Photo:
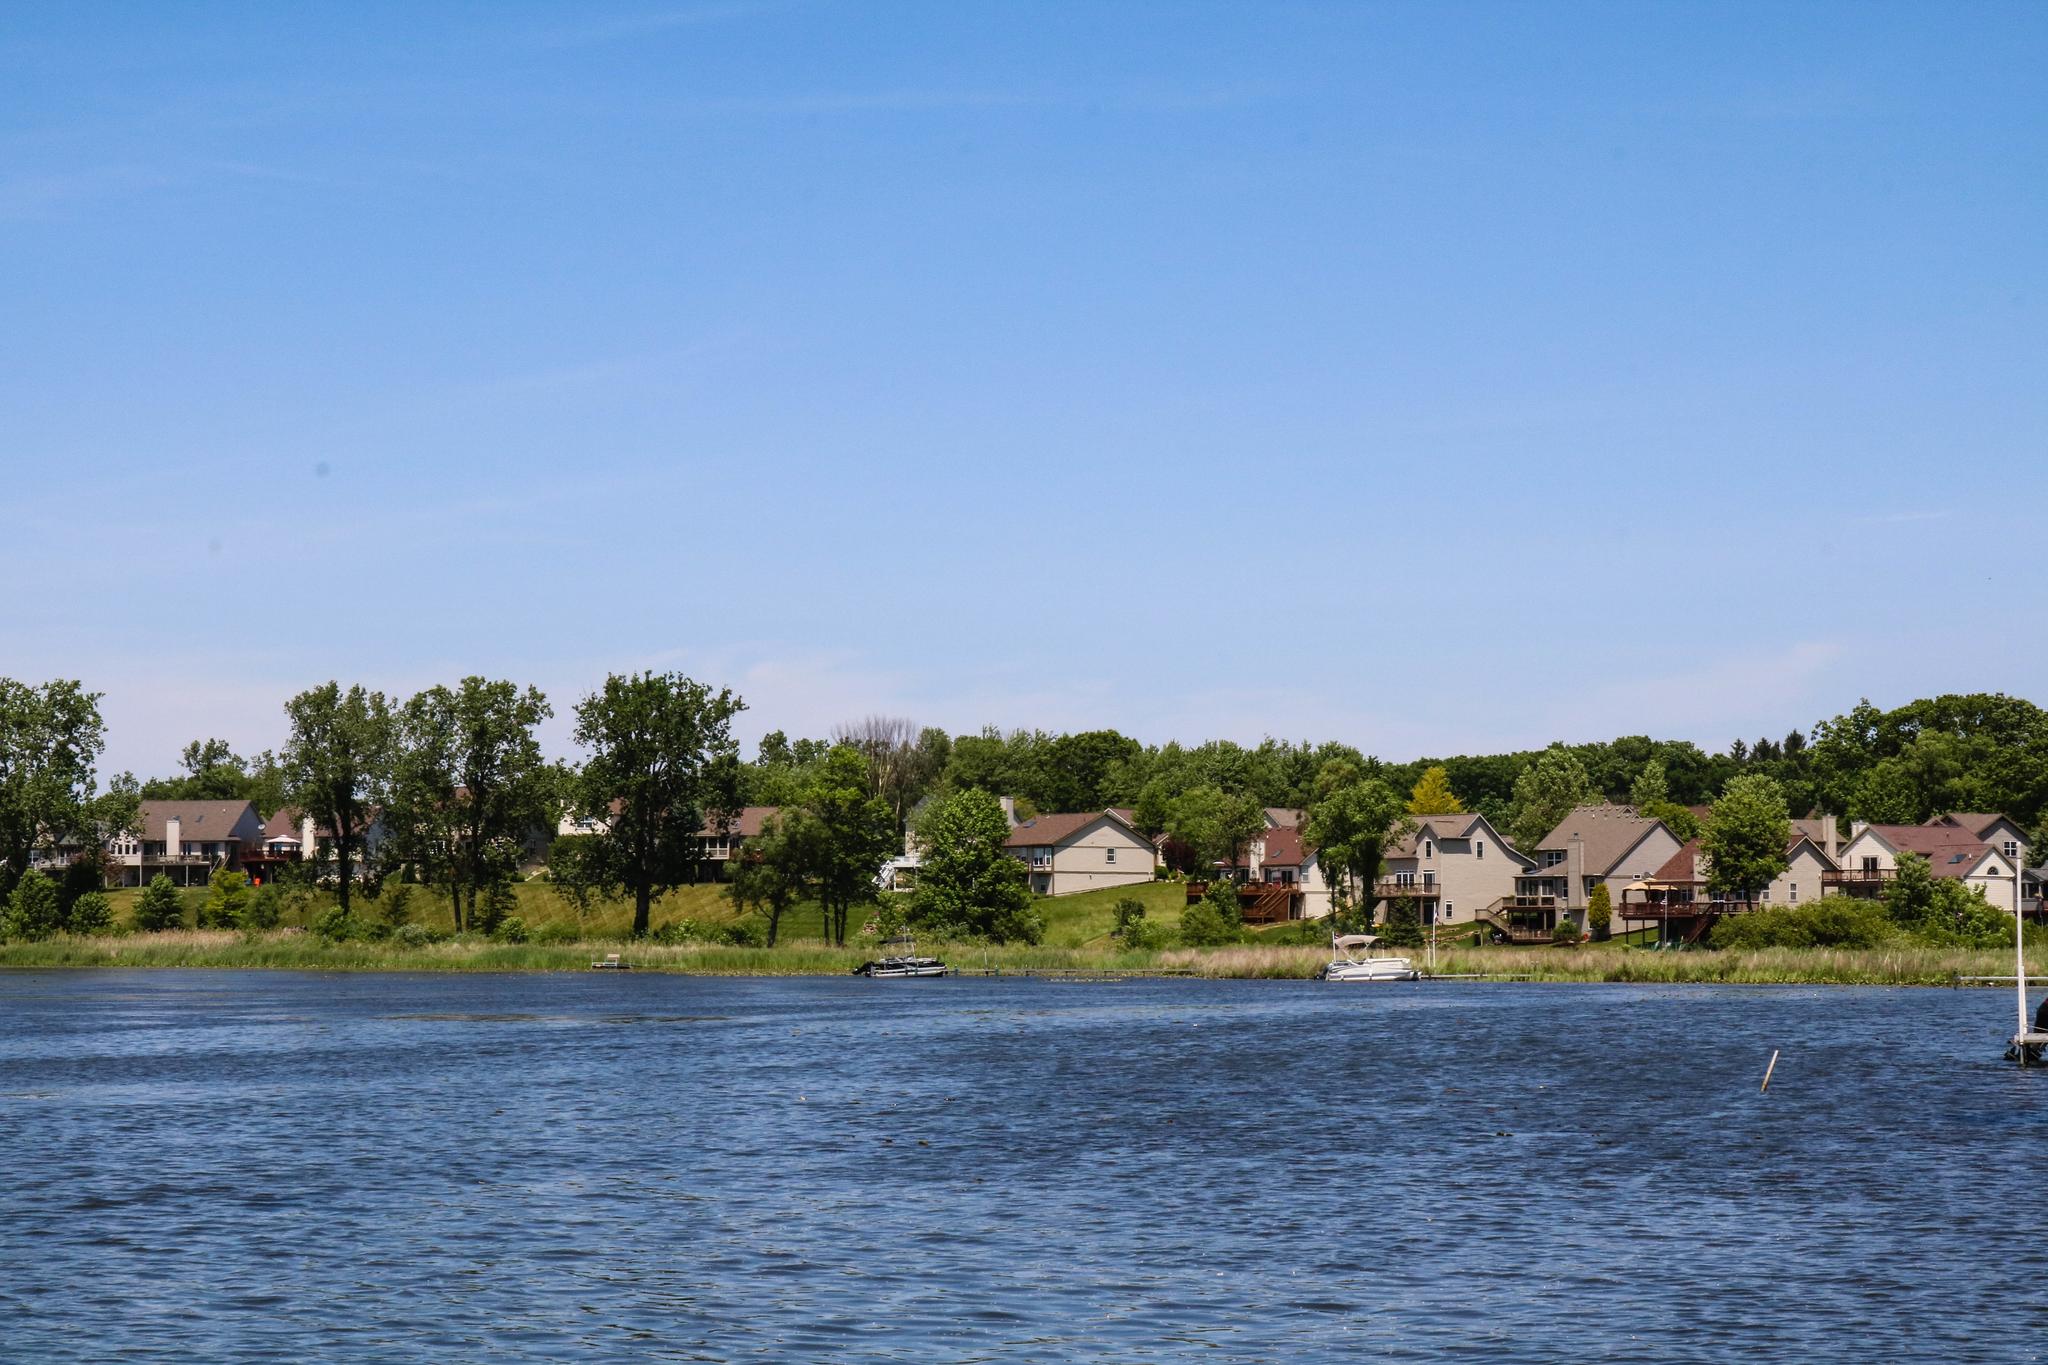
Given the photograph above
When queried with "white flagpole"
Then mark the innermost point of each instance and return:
(2019, 942)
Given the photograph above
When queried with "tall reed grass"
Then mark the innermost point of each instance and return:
(290, 950)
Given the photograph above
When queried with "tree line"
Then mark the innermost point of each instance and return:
(457, 779)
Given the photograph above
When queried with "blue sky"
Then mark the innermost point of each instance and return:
(1433, 377)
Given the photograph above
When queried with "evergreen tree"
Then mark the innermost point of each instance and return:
(158, 907)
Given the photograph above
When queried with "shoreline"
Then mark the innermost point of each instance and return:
(1588, 964)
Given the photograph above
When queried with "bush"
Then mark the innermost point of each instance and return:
(745, 933)
(674, 932)
(1567, 931)
(82, 876)
(414, 935)
(511, 929)
(1403, 925)
(91, 913)
(158, 908)
(556, 931)
(1833, 922)
(1203, 925)
(1600, 913)
(265, 909)
(1132, 930)
(337, 926)
(32, 910)
(227, 897)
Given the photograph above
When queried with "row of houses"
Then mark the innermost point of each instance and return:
(1452, 869)
(187, 841)
(1459, 870)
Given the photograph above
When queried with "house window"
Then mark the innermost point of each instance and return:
(1109, 855)
(2012, 848)
(1428, 849)
(1870, 862)
(1479, 848)
(1792, 893)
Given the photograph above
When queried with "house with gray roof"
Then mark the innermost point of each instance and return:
(1453, 868)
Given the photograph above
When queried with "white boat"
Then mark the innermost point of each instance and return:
(1348, 966)
(899, 965)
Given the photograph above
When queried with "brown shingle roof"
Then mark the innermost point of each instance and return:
(1044, 830)
(1976, 822)
(1608, 833)
(745, 823)
(1950, 850)
(209, 821)
(1283, 848)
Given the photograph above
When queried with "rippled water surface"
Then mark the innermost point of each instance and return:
(252, 1166)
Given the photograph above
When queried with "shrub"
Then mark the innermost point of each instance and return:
(82, 876)
(1203, 925)
(266, 907)
(1402, 927)
(227, 897)
(91, 913)
(1600, 912)
(1567, 931)
(414, 935)
(674, 932)
(158, 908)
(556, 931)
(1132, 929)
(32, 910)
(1833, 922)
(745, 933)
(337, 926)
(511, 929)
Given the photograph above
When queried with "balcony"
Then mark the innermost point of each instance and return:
(1858, 881)
(1393, 888)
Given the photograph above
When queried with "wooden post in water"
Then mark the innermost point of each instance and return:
(1767, 1072)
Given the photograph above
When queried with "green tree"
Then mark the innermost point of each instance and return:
(32, 911)
(158, 907)
(1600, 912)
(91, 913)
(1547, 791)
(661, 755)
(967, 886)
(1745, 838)
(576, 872)
(1943, 910)
(855, 834)
(1215, 824)
(1651, 787)
(773, 870)
(1131, 929)
(227, 898)
(1350, 823)
(471, 786)
(51, 737)
(1433, 794)
(1887, 795)
(337, 767)
(1678, 819)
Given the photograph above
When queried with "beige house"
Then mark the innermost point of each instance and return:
(186, 841)
(1453, 866)
(1081, 852)
(1870, 859)
(1594, 845)
(1279, 859)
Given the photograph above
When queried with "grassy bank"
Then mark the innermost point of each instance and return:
(292, 950)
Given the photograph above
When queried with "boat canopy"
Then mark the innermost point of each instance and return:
(1357, 940)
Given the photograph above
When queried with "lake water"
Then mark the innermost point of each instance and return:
(215, 1167)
